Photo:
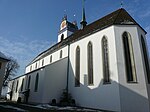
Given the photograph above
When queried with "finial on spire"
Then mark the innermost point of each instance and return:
(83, 21)
(121, 4)
(65, 16)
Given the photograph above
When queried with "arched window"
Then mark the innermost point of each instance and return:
(129, 58)
(62, 37)
(36, 82)
(12, 86)
(29, 82)
(51, 59)
(77, 69)
(31, 68)
(35, 65)
(17, 86)
(105, 59)
(90, 63)
(145, 58)
(22, 84)
(0, 65)
(12, 90)
(43, 62)
(61, 54)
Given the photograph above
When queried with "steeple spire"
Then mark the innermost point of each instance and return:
(83, 21)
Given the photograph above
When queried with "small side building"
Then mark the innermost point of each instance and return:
(3, 62)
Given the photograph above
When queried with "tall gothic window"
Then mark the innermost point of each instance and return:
(77, 69)
(51, 59)
(17, 86)
(36, 82)
(61, 54)
(31, 68)
(145, 58)
(22, 84)
(35, 65)
(129, 58)
(105, 59)
(43, 62)
(12, 90)
(29, 82)
(0, 65)
(12, 86)
(90, 63)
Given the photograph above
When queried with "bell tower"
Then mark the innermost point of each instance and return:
(66, 29)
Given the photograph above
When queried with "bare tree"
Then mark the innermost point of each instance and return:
(11, 70)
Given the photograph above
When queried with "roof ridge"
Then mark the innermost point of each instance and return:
(103, 17)
(131, 17)
(118, 15)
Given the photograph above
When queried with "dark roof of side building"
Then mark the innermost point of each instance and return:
(118, 17)
(3, 57)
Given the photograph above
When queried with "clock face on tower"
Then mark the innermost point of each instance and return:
(63, 25)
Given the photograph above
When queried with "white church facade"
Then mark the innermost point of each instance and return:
(103, 65)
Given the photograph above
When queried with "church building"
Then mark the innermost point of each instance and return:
(102, 65)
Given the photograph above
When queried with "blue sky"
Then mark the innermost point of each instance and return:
(27, 27)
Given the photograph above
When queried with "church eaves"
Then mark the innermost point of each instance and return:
(118, 17)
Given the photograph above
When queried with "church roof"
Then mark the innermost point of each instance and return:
(118, 17)
(3, 57)
(71, 25)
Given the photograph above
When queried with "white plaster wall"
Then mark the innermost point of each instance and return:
(98, 96)
(52, 81)
(55, 57)
(17, 94)
(36, 97)
(140, 32)
(9, 88)
(59, 36)
(66, 34)
(133, 96)
(55, 80)
(27, 69)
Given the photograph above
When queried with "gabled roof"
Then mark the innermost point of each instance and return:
(118, 17)
(3, 57)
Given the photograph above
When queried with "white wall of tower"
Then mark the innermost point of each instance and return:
(66, 33)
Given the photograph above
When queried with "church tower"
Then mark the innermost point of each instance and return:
(66, 29)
